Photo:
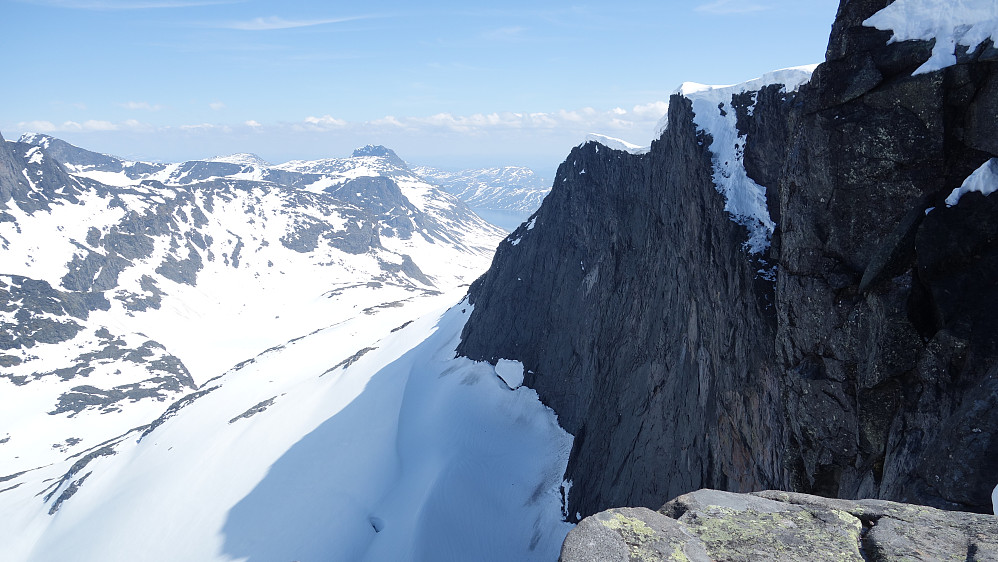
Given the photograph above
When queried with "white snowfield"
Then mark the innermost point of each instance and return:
(358, 442)
(744, 199)
(509, 188)
(315, 409)
(952, 23)
(251, 294)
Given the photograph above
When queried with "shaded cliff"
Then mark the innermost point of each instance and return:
(862, 365)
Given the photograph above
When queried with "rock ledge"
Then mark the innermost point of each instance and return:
(709, 525)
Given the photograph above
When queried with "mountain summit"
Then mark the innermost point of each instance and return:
(379, 151)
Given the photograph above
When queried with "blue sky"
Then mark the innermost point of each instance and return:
(444, 83)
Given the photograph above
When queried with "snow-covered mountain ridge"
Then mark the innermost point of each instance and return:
(504, 195)
(177, 335)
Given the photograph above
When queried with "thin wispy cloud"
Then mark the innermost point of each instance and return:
(216, 106)
(276, 22)
(141, 105)
(726, 7)
(587, 119)
(636, 123)
(92, 125)
(118, 5)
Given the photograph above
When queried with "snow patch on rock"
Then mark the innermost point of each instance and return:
(951, 23)
(745, 200)
(615, 143)
(511, 373)
(984, 180)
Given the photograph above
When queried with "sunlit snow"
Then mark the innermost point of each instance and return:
(745, 200)
(397, 452)
(615, 143)
(952, 23)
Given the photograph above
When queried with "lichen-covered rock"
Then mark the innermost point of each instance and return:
(636, 534)
(716, 525)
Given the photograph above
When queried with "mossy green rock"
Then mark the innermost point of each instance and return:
(715, 525)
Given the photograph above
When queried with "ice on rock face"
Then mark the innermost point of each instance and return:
(994, 501)
(984, 180)
(966, 23)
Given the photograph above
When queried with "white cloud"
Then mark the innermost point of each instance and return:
(205, 127)
(725, 7)
(485, 127)
(37, 126)
(216, 105)
(388, 120)
(276, 22)
(325, 122)
(653, 110)
(72, 126)
(143, 105)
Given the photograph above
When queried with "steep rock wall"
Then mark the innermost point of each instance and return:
(869, 370)
(625, 297)
(886, 310)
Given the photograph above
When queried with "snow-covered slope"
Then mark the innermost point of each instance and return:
(505, 195)
(966, 23)
(224, 360)
(357, 442)
(115, 301)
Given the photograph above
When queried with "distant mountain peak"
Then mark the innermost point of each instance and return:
(37, 139)
(245, 158)
(381, 151)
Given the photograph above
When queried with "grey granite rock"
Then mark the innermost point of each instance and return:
(716, 525)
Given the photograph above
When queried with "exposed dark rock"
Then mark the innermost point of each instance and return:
(175, 408)
(31, 179)
(627, 302)
(712, 525)
(262, 406)
(86, 159)
(378, 150)
(350, 360)
(35, 302)
(870, 369)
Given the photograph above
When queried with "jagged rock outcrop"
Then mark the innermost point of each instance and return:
(867, 369)
(632, 356)
(709, 525)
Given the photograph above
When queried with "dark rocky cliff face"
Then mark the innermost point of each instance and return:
(626, 301)
(868, 369)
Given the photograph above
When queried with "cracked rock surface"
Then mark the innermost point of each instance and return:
(715, 525)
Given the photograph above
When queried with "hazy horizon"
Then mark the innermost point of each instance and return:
(444, 85)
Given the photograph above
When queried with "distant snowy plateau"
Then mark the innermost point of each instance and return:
(228, 360)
